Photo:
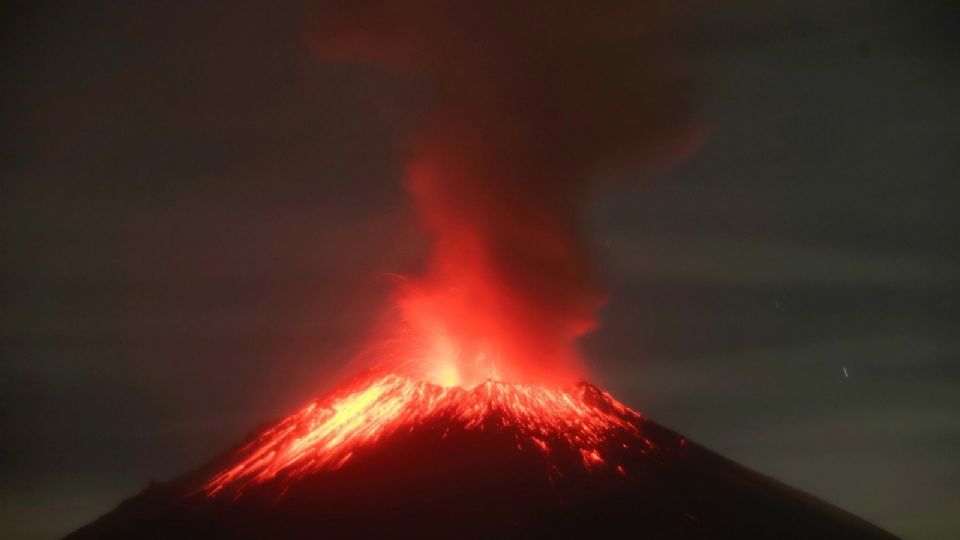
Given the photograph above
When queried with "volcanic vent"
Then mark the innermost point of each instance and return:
(387, 456)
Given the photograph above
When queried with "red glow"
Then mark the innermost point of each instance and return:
(325, 434)
(502, 159)
(508, 290)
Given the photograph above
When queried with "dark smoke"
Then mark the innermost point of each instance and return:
(528, 100)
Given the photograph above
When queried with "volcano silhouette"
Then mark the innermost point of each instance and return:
(385, 456)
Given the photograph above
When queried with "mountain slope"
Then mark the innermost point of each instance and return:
(387, 456)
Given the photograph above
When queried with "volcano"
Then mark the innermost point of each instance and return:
(388, 456)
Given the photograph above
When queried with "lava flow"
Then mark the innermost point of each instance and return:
(389, 456)
(324, 435)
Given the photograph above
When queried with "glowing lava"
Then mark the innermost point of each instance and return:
(325, 435)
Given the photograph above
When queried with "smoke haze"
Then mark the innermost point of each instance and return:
(528, 100)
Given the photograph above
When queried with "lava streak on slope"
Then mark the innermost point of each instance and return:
(580, 421)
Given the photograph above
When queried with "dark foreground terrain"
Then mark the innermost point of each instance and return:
(443, 479)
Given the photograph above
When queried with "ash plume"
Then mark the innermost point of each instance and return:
(528, 100)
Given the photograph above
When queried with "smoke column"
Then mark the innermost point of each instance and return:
(528, 100)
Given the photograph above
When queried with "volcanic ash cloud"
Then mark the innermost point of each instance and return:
(527, 101)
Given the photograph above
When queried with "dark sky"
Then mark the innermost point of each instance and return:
(201, 219)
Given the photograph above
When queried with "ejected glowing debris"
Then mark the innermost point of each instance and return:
(325, 434)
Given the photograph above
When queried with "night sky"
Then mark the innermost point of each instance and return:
(202, 220)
